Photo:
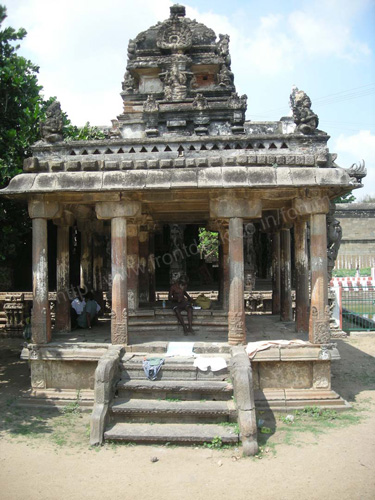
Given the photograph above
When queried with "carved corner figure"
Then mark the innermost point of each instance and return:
(334, 236)
(51, 128)
(305, 119)
(225, 77)
(223, 48)
(200, 102)
(357, 171)
(128, 85)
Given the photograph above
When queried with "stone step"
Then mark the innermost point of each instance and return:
(186, 390)
(174, 368)
(154, 410)
(298, 399)
(173, 321)
(171, 433)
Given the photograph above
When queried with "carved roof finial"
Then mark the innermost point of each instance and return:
(178, 10)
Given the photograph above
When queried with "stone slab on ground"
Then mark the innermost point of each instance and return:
(180, 386)
(132, 407)
(171, 433)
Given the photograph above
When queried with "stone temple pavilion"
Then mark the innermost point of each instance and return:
(181, 155)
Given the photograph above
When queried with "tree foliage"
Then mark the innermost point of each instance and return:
(208, 245)
(20, 108)
(345, 198)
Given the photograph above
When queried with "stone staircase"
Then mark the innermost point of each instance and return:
(184, 405)
(161, 320)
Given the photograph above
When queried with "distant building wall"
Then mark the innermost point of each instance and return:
(358, 235)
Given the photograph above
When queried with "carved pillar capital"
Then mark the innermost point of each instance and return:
(111, 210)
(66, 219)
(41, 209)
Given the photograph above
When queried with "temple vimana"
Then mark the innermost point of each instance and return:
(125, 217)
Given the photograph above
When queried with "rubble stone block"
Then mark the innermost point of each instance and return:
(31, 164)
(72, 166)
(309, 160)
(252, 159)
(214, 161)
(165, 163)
(140, 164)
(88, 165)
(290, 160)
(56, 166)
(153, 163)
(127, 164)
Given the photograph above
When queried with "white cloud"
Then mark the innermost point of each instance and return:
(318, 34)
(353, 148)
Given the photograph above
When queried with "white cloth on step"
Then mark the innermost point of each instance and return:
(180, 349)
(253, 347)
(216, 364)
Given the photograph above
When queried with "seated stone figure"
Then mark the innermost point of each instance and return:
(51, 128)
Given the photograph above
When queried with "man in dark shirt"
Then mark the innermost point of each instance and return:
(182, 301)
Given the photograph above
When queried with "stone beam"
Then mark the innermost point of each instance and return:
(235, 207)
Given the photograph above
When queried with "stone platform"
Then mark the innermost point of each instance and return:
(283, 377)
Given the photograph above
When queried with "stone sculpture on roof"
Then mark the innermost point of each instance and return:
(51, 129)
(305, 119)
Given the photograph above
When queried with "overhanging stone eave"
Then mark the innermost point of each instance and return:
(336, 180)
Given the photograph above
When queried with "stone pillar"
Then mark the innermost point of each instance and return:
(40, 211)
(86, 267)
(224, 264)
(144, 276)
(151, 267)
(317, 207)
(118, 212)
(276, 272)
(133, 265)
(98, 258)
(236, 313)
(62, 321)
(302, 275)
(319, 309)
(286, 312)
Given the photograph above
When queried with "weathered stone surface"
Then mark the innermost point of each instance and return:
(285, 375)
(171, 433)
(322, 375)
(227, 207)
(109, 210)
(241, 372)
(106, 375)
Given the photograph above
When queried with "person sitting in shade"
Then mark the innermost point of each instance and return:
(78, 305)
(89, 314)
(182, 301)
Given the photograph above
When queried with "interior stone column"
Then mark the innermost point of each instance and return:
(236, 313)
(286, 312)
(302, 275)
(40, 211)
(276, 272)
(144, 277)
(151, 266)
(319, 309)
(86, 261)
(133, 265)
(62, 321)
(118, 212)
(98, 256)
(224, 264)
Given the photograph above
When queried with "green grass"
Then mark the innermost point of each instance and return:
(350, 273)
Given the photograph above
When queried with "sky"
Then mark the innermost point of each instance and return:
(324, 47)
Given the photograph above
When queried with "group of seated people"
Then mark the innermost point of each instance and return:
(85, 310)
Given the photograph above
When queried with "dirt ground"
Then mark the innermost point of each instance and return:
(45, 455)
